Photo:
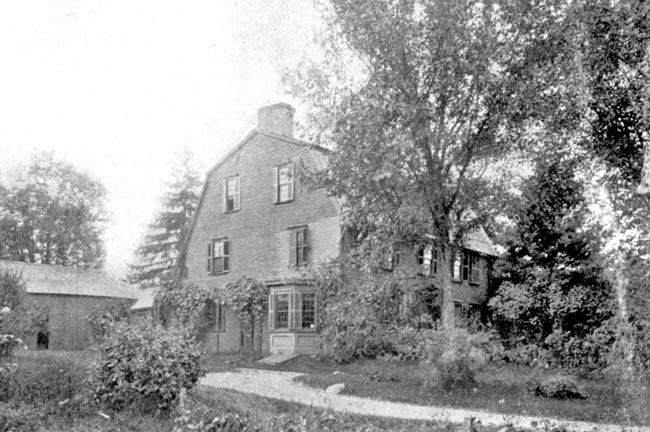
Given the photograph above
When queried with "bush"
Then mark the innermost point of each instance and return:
(559, 387)
(351, 333)
(145, 365)
(105, 315)
(8, 344)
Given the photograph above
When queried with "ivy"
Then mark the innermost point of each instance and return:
(248, 297)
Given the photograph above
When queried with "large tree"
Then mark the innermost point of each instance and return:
(413, 142)
(53, 214)
(156, 256)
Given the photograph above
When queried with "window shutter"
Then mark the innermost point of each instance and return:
(293, 235)
(225, 195)
(316, 312)
(271, 311)
(209, 257)
(298, 310)
(306, 242)
(275, 185)
(237, 192)
(291, 183)
(226, 255)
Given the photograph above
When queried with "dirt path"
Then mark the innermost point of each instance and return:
(280, 385)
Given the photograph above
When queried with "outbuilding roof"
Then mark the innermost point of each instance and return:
(145, 299)
(53, 279)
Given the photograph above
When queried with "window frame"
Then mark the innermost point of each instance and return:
(314, 311)
(279, 183)
(298, 246)
(235, 193)
(225, 249)
(277, 311)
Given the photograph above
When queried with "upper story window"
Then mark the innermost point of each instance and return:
(298, 246)
(283, 183)
(219, 256)
(231, 195)
(466, 267)
(428, 260)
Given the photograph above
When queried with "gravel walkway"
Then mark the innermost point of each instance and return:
(280, 385)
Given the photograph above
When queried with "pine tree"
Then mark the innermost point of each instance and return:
(156, 256)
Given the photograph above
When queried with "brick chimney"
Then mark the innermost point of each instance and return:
(277, 118)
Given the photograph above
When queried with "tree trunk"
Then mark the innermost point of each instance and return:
(447, 308)
(644, 185)
(625, 338)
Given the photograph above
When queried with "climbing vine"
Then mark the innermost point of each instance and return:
(246, 296)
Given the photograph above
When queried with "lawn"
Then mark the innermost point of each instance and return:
(503, 388)
(49, 395)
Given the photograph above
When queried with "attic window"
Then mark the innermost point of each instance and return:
(231, 194)
(283, 183)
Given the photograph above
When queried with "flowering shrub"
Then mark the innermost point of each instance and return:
(8, 343)
(145, 365)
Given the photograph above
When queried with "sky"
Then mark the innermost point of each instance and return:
(119, 88)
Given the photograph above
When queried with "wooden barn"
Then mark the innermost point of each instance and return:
(68, 294)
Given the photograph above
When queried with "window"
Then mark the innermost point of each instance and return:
(298, 246)
(466, 267)
(308, 311)
(214, 316)
(231, 194)
(219, 256)
(389, 259)
(281, 310)
(425, 259)
(467, 316)
(283, 183)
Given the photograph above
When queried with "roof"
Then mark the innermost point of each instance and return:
(145, 301)
(53, 279)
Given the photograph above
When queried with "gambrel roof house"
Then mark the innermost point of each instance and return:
(255, 219)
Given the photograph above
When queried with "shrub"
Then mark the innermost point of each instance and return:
(105, 315)
(559, 387)
(352, 333)
(8, 343)
(145, 365)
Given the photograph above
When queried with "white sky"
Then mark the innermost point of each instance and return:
(119, 87)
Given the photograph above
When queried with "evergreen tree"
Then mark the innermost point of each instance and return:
(550, 278)
(157, 255)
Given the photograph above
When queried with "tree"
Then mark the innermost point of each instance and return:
(413, 142)
(552, 287)
(54, 214)
(161, 247)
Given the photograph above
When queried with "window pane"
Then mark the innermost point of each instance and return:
(309, 311)
(282, 310)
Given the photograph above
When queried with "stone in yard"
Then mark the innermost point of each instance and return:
(560, 387)
(335, 388)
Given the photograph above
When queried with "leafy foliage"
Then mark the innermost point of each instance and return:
(355, 319)
(19, 317)
(249, 297)
(157, 255)
(53, 214)
(413, 141)
(145, 365)
(553, 292)
(104, 316)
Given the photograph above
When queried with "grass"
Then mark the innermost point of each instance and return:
(503, 388)
(62, 403)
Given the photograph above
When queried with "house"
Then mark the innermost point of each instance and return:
(68, 295)
(255, 219)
